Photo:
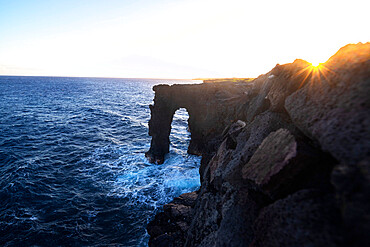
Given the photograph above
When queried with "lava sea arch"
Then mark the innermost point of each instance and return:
(209, 114)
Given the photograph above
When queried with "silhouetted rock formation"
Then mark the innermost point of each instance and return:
(210, 108)
(285, 158)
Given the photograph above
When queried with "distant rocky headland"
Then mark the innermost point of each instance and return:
(285, 157)
(233, 80)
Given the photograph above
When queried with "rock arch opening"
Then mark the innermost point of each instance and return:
(180, 134)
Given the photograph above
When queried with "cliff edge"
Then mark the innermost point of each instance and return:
(285, 157)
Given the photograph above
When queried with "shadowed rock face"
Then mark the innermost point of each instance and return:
(286, 157)
(299, 220)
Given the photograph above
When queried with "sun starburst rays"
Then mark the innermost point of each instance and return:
(314, 74)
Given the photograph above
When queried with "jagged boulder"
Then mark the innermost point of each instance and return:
(282, 164)
(227, 163)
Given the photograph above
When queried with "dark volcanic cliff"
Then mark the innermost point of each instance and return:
(285, 158)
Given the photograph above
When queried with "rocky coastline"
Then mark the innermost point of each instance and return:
(285, 157)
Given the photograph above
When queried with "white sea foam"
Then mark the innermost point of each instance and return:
(155, 185)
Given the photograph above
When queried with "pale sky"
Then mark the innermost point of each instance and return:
(173, 39)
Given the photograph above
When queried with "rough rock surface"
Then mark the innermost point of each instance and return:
(285, 157)
(305, 218)
(352, 184)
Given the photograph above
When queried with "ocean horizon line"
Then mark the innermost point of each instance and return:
(100, 77)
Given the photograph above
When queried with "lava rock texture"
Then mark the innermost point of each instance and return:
(285, 157)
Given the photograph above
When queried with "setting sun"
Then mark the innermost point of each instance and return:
(315, 64)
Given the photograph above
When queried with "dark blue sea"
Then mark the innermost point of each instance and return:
(72, 164)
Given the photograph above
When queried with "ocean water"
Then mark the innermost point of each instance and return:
(72, 164)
